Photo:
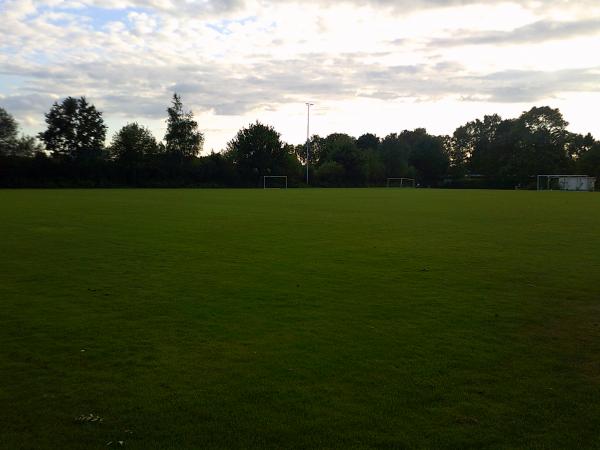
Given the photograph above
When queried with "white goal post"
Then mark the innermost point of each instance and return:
(283, 178)
(565, 183)
(401, 182)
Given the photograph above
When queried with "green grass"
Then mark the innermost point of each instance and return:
(299, 319)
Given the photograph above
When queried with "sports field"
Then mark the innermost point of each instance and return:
(382, 318)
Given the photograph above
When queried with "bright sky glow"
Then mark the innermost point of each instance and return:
(378, 65)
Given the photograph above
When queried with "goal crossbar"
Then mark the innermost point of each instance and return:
(281, 177)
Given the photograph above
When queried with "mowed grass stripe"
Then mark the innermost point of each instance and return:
(299, 318)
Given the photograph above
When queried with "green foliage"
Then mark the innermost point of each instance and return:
(589, 163)
(471, 149)
(27, 147)
(342, 149)
(8, 132)
(487, 152)
(183, 140)
(427, 155)
(512, 151)
(539, 142)
(415, 154)
(131, 147)
(368, 141)
(12, 145)
(375, 168)
(257, 150)
(578, 145)
(75, 129)
(394, 154)
(132, 144)
(314, 151)
(331, 173)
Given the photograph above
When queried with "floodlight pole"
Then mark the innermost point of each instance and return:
(308, 105)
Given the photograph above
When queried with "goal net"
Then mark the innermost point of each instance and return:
(401, 182)
(275, 182)
(565, 183)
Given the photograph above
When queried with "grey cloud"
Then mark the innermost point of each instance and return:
(397, 5)
(267, 85)
(544, 30)
(527, 86)
(133, 105)
(506, 86)
(26, 103)
(220, 7)
(137, 91)
(177, 7)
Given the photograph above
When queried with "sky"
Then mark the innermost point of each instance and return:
(377, 66)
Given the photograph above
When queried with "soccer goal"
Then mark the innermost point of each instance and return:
(401, 182)
(565, 183)
(275, 182)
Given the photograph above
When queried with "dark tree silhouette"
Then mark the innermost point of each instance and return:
(27, 146)
(8, 132)
(367, 141)
(257, 151)
(540, 143)
(131, 146)
(589, 163)
(183, 140)
(75, 129)
(427, 155)
(11, 145)
(351, 162)
(486, 152)
(394, 152)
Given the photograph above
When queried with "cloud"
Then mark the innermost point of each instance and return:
(518, 86)
(122, 90)
(513, 86)
(187, 7)
(540, 31)
(26, 103)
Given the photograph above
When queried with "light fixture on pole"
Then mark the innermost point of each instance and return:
(308, 105)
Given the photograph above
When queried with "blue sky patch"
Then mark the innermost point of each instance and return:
(96, 17)
(222, 26)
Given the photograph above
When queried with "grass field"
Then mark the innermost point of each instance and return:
(299, 319)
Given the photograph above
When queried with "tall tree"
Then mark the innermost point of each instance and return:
(540, 144)
(27, 146)
(367, 141)
(10, 144)
(132, 144)
(183, 140)
(427, 155)
(394, 152)
(472, 144)
(589, 163)
(257, 151)
(578, 145)
(75, 129)
(341, 149)
(8, 132)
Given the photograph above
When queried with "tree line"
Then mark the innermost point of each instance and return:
(488, 152)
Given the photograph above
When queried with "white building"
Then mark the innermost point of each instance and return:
(576, 183)
(566, 182)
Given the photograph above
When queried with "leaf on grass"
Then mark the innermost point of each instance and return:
(89, 418)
